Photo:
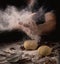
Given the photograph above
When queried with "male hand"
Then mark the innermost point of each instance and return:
(31, 28)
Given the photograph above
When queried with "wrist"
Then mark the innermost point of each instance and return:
(39, 30)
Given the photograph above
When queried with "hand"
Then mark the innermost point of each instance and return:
(31, 29)
(30, 26)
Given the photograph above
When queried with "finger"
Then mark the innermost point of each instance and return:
(27, 30)
(34, 23)
(33, 26)
(20, 23)
(32, 15)
(26, 25)
(20, 27)
(23, 28)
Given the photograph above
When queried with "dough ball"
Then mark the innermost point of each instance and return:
(44, 50)
(30, 44)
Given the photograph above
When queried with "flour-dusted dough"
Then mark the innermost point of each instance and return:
(30, 44)
(44, 50)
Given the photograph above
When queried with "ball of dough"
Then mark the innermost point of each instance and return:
(30, 44)
(44, 50)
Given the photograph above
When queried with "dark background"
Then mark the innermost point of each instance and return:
(16, 35)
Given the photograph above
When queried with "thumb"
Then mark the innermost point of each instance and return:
(32, 15)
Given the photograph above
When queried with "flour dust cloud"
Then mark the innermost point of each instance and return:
(11, 16)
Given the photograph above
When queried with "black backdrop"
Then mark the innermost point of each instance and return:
(16, 35)
(17, 3)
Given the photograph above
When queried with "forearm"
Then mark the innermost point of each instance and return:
(47, 27)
